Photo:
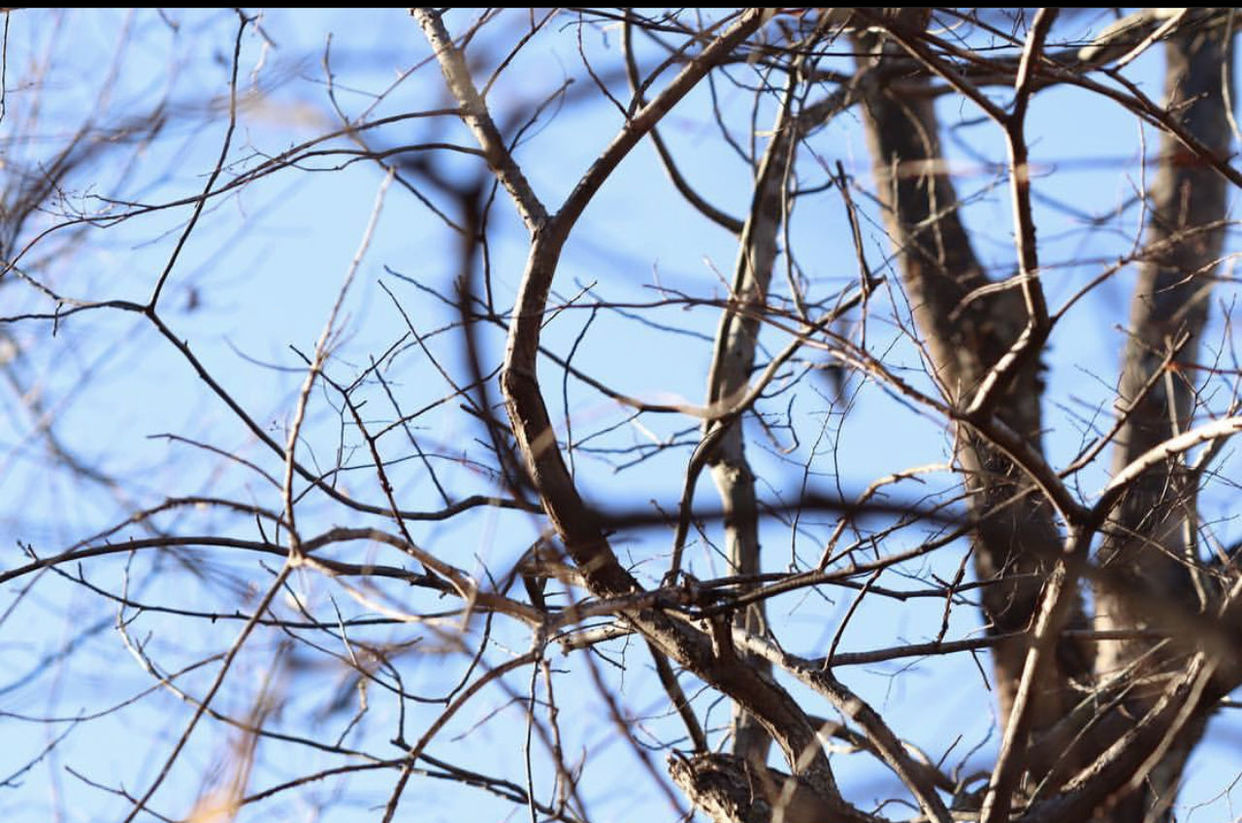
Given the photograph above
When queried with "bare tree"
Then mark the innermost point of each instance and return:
(290, 575)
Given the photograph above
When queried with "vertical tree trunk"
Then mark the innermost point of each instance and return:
(729, 376)
(1150, 552)
(1016, 540)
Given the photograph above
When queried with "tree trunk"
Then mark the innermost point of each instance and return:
(1016, 540)
(1151, 553)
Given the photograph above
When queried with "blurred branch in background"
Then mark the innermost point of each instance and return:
(321, 331)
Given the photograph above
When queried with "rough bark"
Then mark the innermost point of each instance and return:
(732, 789)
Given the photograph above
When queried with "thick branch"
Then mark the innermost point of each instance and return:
(983, 343)
(1152, 494)
(576, 524)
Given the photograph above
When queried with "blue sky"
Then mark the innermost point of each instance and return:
(258, 278)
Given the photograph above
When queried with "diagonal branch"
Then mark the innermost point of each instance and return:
(970, 327)
(479, 120)
(577, 525)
